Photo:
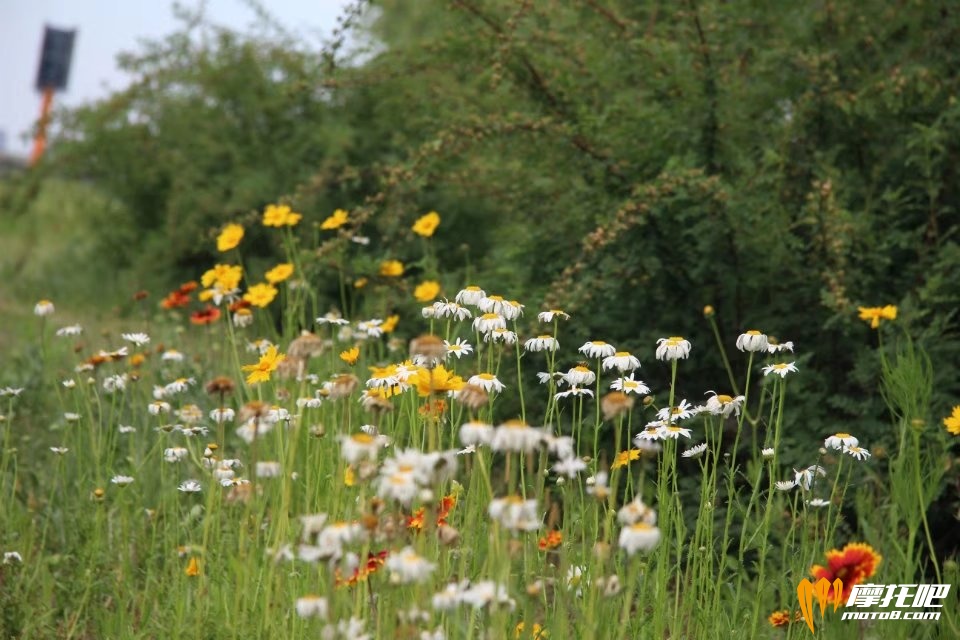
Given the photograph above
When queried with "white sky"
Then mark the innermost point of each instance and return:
(105, 28)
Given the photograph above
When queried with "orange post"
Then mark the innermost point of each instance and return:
(40, 140)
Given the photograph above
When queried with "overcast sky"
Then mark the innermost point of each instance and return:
(105, 28)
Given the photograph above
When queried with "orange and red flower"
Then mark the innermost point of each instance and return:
(853, 564)
(208, 315)
(175, 299)
(447, 503)
(374, 562)
(550, 541)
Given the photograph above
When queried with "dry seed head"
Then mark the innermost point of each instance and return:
(344, 385)
(306, 346)
(220, 385)
(448, 535)
(472, 397)
(615, 404)
(429, 346)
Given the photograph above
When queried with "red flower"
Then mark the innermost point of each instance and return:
(187, 287)
(175, 299)
(853, 564)
(209, 315)
(374, 562)
(447, 503)
(550, 541)
(239, 304)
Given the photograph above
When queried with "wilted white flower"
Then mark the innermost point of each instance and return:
(488, 382)
(175, 454)
(695, 451)
(9, 557)
(723, 405)
(622, 361)
(682, 411)
(541, 343)
(579, 375)
(59, 450)
(805, 478)
(785, 485)
(569, 467)
(818, 502)
(752, 341)
(488, 322)
(222, 414)
(474, 433)
(447, 309)
(516, 436)
(636, 511)
(471, 295)
(548, 316)
(597, 349)
(672, 348)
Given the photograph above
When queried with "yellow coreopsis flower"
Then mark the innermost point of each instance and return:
(261, 371)
(279, 273)
(436, 380)
(427, 290)
(390, 324)
(351, 355)
(952, 422)
(225, 277)
(193, 568)
(337, 220)
(426, 224)
(260, 295)
(625, 457)
(874, 315)
(229, 237)
(349, 476)
(360, 283)
(280, 215)
(391, 268)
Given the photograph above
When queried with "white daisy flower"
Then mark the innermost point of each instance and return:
(752, 341)
(777, 348)
(488, 382)
(449, 598)
(116, 382)
(189, 486)
(723, 405)
(636, 511)
(857, 452)
(59, 450)
(515, 513)
(695, 451)
(785, 485)
(541, 343)
(672, 348)
(259, 346)
(407, 566)
(560, 446)
(649, 434)
(175, 454)
(11, 391)
(673, 432)
(172, 355)
(492, 304)
(781, 369)
(370, 328)
(548, 316)
(628, 385)
(341, 533)
(545, 377)
(471, 295)
(43, 308)
(71, 417)
(309, 403)
(579, 375)
(486, 592)
(597, 349)
(806, 477)
(500, 335)
(222, 414)
(311, 606)
(622, 361)
(459, 348)
(474, 433)
(574, 391)
(447, 309)
(597, 485)
(69, 383)
(516, 436)
(126, 429)
(639, 536)
(267, 469)
(121, 481)
(428, 312)
(512, 310)
(682, 411)
(569, 467)
(70, 330)
(332, 318)
(767, 453)
(361, 446)
(138, 339)
(488, 322)
(818, 502)
(178, 386)
(190, 413)
(840, 441)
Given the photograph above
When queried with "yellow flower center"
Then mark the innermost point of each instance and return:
(622, 354)
(842, 435)
(486, 376)
(362, 438)
(724, 399)
(754, 332)
(489, 316)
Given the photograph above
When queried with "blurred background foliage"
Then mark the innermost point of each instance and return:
(628, 161)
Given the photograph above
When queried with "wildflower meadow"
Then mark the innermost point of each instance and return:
(493, 320)
(214, 469)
